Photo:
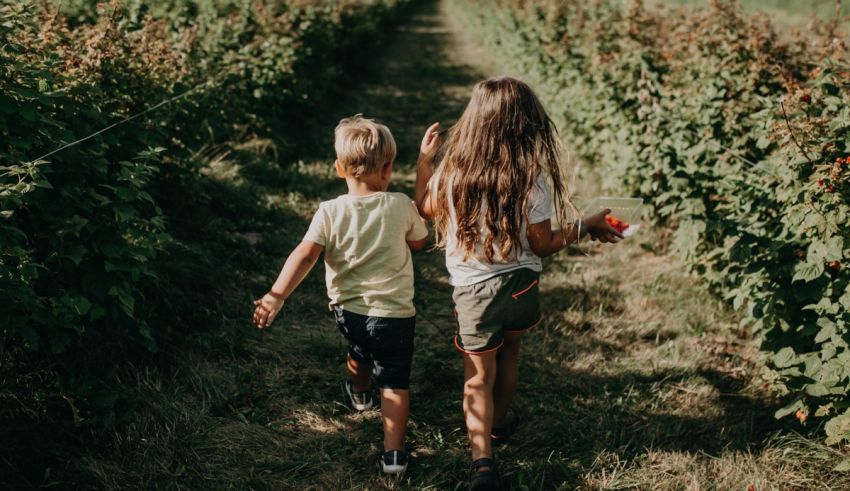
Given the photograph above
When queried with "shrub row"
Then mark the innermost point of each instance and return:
(82, 230)
(737, 137)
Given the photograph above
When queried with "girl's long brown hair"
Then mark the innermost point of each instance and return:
(493, 155)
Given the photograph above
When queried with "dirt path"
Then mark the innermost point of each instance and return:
(638, 379)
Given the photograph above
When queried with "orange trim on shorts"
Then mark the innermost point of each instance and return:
(527, 328)
(459, 348)
(529, 287)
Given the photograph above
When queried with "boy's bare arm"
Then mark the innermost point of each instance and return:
(425, 169)
(297, 265)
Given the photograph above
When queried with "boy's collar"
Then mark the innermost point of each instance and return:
(374, 193)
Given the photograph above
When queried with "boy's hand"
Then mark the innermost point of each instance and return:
(266, 309)
(599, 229)
(430, 143)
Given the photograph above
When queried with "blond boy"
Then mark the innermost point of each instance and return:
(366, 236)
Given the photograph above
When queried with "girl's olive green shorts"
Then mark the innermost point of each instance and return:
(486, 310)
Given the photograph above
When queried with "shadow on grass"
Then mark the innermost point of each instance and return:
(602, 294)
(574, 416)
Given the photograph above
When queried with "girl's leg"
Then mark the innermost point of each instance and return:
(360, 373)
(480, 375)
(507, 371)
(395, 410)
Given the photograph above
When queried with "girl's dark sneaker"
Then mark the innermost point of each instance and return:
(499, 435)
(484, 480)
(360, 401)
(394, 462)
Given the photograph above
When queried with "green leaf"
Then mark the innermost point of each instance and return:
(75, 253)
(827, 330)
(838, 428)
(817, 390)
(845, 299)
(808, 271)
(789, 408)
(81, 305)
(785, 358)
(125, 298)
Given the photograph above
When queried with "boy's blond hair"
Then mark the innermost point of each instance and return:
(362, 145)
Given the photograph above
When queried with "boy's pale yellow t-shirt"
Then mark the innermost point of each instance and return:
(368, 265)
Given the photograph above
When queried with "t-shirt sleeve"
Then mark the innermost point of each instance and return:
(318, 231)
(416, 229)
(540, 206)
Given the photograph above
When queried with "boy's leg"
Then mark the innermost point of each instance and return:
(507, 372)
(395, 411)
(391, 345)
(360, 374)
(358, 363)
(480, 376)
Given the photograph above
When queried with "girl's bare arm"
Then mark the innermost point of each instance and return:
(425, 169)
(417, 245)
(297, 265)
(544, 241)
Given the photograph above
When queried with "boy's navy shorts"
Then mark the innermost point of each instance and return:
(385, 342)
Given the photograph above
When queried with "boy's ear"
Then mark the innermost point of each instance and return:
(339, 169)
(386, 169)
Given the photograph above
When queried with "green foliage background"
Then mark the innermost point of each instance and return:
(736, 138)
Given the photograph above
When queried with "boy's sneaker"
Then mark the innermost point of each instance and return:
(394, 462)
(360, 401)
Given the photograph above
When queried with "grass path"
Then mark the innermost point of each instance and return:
(637, 380)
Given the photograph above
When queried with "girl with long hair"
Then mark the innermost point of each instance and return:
(492, 209)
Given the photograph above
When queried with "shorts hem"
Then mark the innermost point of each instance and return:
(467, 352)
(523, 329)
(354, 355)
(372, 312)
(393, 386)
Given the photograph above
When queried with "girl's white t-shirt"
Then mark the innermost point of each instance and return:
(475, 269)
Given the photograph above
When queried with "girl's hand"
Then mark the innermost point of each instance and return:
(266, 309)
(599, 229)
(430, 143)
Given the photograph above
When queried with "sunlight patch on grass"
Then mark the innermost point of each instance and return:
(313, 422)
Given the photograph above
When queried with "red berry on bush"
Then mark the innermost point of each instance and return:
(806, 98)
(835, 265)
(820, 183)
